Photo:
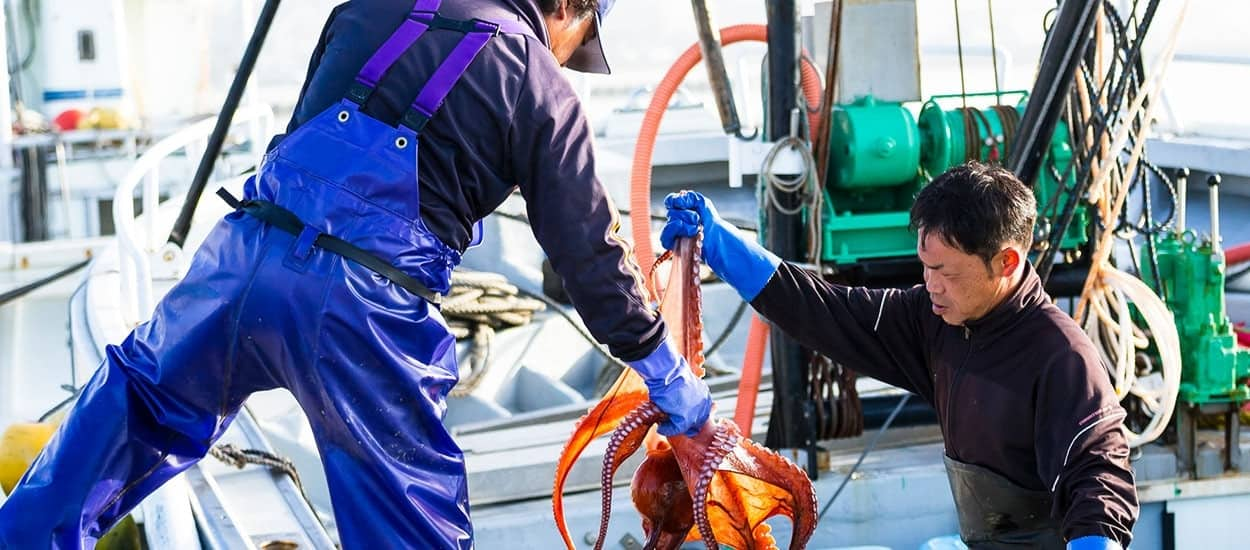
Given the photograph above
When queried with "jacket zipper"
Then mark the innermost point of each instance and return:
(950, 393)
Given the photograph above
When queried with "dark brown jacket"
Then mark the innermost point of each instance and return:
(1021, 391)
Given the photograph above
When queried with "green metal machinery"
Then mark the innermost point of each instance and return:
(1191, 275)
(1214, 369)
(1191, 270)
(880, 155)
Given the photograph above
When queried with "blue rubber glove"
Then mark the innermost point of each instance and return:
(675, 389)
(739, 260)
(1093, 542)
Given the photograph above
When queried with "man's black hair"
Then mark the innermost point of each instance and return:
(583, 8)
(977, 208)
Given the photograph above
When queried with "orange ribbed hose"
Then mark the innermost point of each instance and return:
(644, 148)
(640, 196)
(752, 370)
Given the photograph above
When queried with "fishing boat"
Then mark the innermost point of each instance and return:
(87, 253)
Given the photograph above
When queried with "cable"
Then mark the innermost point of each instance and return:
(724, 335)
(867, 449)
(1100, 127)
(36, 285)
(998, 94)
(959, 43)
(577, 325)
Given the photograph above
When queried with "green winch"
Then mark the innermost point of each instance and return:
(880, 155)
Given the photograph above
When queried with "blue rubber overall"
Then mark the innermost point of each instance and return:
(369, 362)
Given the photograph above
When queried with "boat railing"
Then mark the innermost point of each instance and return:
(141, 244)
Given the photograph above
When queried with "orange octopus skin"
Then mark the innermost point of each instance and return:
(737, 483)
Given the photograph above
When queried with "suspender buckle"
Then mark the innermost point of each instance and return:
(415, 120)
(359, 92)
(491, 25)
(466, 26)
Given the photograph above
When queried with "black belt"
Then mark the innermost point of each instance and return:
(287, 221)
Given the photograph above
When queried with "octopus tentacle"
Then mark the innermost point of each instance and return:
(624, 441)
(804, 493)
(693, 306)
(723, 442)
(716, 483)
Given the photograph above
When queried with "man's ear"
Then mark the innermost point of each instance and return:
(562, 10)
(1009, 259)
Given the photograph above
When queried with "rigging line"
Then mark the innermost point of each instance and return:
(867, 449)
(998, 93)
(959, 43)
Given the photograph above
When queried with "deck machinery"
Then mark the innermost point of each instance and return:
(882, 150)
(881, 155)
(1214, 369)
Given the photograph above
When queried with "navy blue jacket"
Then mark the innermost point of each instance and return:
(513, 121)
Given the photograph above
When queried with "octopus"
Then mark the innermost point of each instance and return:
(716, 486)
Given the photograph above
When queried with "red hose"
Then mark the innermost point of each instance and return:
(640, 195)
(1237, 254)
(640, 177)
(752, 370)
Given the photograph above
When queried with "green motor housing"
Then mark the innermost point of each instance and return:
(872, 145)
(880, 156)
(1191, 272)
(874, 160)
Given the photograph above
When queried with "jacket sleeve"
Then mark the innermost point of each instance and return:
(573, 217)
(1082, 450)
(876, 332)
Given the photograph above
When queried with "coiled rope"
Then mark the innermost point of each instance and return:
(479, 304)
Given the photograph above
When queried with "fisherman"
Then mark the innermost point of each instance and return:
(1035, 449)
(342, 311)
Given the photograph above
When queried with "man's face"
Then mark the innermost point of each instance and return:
(961, 287)
(566, 31)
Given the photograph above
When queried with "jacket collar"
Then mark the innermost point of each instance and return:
(1028, 295)
(529, 12)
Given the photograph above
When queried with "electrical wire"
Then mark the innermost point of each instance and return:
(1120, 94)
(959, 43)
(559, 308)
(867, 449)
(724, 335)
(23, 290)
(998, 93)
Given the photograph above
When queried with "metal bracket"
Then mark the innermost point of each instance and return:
(747, 157)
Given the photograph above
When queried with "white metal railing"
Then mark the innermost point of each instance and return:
(139, 246)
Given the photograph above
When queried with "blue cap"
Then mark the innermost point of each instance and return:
(589, 57)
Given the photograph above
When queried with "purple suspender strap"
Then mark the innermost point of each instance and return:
(418, 21)
(449, 72)
(423, 17)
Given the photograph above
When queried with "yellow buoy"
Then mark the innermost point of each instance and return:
(21, 443)
(19, 446)
(123, 536)
(103, 118)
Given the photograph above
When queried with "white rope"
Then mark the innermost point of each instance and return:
(1111, 326)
